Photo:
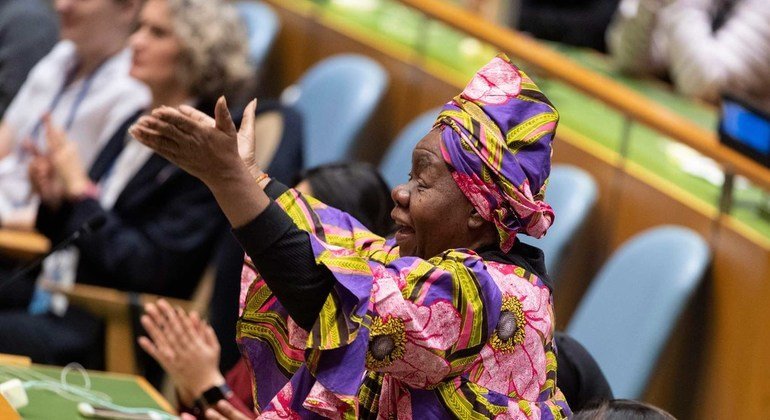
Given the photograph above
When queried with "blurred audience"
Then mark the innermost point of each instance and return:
(188, 349)
(706, 47)
(28, 31)
(160, 221)
(575, 22)
(623, 410)
(83, 84)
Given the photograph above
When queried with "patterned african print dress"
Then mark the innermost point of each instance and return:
(450, 337)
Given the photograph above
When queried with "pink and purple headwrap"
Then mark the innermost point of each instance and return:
(496, 138)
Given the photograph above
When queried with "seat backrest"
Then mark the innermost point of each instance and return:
(572, 193)
(262, 26)
(633, 304)
(335, 97)
(397, 162)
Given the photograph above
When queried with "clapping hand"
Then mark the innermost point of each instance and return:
(64, 157)
(185, 346)
(58, 173)
(247, 142)
(209, 149)
(44, 180)
(224, 411)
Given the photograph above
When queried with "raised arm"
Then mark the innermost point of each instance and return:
(275, 238)
(209, 153)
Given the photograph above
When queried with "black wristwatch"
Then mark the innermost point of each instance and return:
(210, 396)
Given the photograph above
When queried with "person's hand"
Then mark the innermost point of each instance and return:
(207, 152)
(184, 346)
(225, 411)
(43, 179)
(64, 155)
(247, 142)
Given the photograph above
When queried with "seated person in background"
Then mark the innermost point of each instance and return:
(28, 31)
(160, 221)
(574, 22)
(579, 376)
(623, 410)
(83, 84)
(706, 47)
(188, 349)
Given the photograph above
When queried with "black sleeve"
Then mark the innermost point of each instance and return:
(579, 376)
(271, 240)
(49, 222)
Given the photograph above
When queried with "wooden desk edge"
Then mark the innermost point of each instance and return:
(15, 360)
(152, 392)
(23, 243)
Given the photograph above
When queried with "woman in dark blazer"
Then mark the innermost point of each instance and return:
(161, 224)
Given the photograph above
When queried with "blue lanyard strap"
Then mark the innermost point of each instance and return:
(82, 93)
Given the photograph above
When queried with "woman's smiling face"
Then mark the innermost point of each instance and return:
(431, 213)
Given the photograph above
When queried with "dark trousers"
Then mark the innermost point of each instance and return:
(47, 338)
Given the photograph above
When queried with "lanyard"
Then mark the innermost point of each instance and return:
(82, 93)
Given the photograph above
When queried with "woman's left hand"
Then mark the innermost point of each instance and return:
(66, 162)
(207, 152)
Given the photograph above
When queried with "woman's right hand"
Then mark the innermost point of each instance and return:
(63, 155)
(225, 411)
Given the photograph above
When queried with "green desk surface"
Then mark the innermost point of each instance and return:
(125, 390)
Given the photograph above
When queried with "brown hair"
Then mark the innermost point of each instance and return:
(214, 58)
(623, 410)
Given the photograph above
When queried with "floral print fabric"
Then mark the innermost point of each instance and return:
(454, 336)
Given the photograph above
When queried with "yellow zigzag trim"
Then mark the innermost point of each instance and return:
(517, 136)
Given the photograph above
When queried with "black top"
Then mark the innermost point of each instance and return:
(579, 376)
(271, 239)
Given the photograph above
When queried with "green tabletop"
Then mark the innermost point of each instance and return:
(125, 390)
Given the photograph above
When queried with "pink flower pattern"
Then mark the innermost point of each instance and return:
(502, 372)
(326, 403)
(395, 401)
(280, 406)
(494, 84)
(426, 329)
(476, 194)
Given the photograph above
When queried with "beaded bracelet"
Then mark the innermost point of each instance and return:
(262, 177)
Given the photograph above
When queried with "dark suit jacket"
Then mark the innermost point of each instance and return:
(157, 238)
